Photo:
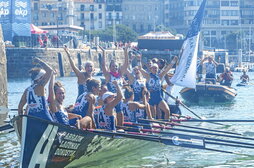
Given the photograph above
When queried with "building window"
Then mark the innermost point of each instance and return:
(91, 7)
(82, 7)
(213, 33)
(82, 16)
(100, 15)
(100, 6)
(91, 16)
(233, 3)
(100, 24)
(224, 3)
(35, 6)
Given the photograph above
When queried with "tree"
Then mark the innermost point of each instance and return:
(123, 33)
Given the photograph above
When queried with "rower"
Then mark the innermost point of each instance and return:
(84, 105)
(245, 78)
(55, 99)
(154, 87)
(133, 110)
(104, 116)
(82, 76)
(34, 96)
(114, 73)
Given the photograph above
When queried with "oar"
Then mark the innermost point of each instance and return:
(174, 140)
(186, 130)
(181, 103)
(210, 120)
(5, 127)
(186, 126)
(207, 139)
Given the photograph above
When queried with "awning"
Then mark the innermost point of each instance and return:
(37, 30)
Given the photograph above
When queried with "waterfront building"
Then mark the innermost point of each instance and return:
(143, 15)
(114, 13)
(222, 17)
(90, 14)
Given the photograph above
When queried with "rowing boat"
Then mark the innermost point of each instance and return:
(208, 92)
(52, 145)
(242, 84)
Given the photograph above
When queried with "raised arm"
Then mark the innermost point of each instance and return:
(130, 77)
(52, 97)
(73, 66)
(143, 72)
(168, 67)
(103, 64)
(47, 68)
(215, 63)
(111, 105)
(126, 60)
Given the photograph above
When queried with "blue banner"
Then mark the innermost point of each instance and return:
(5, 19)
(21, 18)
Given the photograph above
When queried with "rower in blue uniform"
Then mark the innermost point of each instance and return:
(104, 116)
(137, 82)
(133, 110)
(115, 74)
(153, 83)
(84, 105)
(34, 96)
(82, 76)
(55, 99)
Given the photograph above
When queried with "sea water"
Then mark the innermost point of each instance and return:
(150, 154)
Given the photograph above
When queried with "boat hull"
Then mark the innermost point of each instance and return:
(208, 92)
(45, 144)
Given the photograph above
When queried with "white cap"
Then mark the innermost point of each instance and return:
(155, 65)
(41, 73)
(106, 95)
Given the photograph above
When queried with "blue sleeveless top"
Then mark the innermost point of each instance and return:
(81, 105)
(103, 121)
(138, 86)
(154, 87)
(111, 86)
(61, 117)
(129, 116)
(37, 105)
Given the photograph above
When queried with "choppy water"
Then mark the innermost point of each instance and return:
(147, 154)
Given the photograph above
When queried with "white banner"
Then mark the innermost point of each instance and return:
(185, 74)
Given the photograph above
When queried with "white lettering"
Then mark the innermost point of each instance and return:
(4, 12)
(48, 138)
(21, 12)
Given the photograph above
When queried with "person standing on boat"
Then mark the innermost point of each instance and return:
(153, 84)
(115, 73)
(82, 76)
(55, 99)
(104, 116)
(132, 109)
(245, 78)
(210, 67)
(84, 105)
(226, 78)
(34, 96)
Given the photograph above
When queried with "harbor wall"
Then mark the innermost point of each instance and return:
(19, 60)
(3, 73)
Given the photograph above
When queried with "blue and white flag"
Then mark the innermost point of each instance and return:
(185, 74)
